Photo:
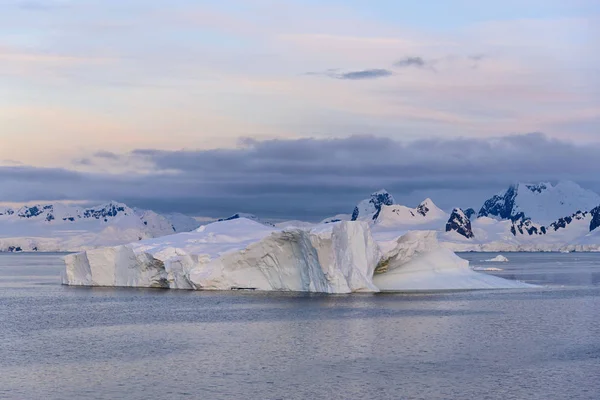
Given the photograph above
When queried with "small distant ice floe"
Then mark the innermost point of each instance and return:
(487, 269)
(498, 258)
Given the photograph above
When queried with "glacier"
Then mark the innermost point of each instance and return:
(340, 257)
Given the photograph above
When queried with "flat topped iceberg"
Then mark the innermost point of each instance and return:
(341, 257)
(240, 253)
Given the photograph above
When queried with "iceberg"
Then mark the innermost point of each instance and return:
(340, 257)
(498, 258)
(491, 269)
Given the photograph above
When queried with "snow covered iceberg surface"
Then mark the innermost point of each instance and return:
(420, 263)
(340, 257)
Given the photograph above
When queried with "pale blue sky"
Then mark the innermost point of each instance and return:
(82, 76)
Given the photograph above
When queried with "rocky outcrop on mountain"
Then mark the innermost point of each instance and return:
(525, 226)
(563, 222)
(460, 223)
(500, 205)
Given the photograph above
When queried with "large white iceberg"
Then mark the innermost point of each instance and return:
(340, 257)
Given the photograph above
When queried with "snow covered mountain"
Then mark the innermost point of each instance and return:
(62, 227)
(425, 216)
(526, 217)
(578, 231)
(381, 210)
(369, 209)
(460, 223)
(542, 202)
(504, 223)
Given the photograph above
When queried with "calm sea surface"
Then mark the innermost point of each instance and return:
(59, 342)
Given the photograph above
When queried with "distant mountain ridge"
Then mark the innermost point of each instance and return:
(63, 227)
(525, 217)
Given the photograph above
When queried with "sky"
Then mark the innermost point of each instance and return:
(294, 109)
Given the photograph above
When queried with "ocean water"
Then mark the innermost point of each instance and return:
(60, 342)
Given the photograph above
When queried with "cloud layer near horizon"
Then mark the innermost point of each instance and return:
(308, 178)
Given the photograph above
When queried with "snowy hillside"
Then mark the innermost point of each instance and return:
(425, 216)
(251, 217)
(542, 202)
(61, 227)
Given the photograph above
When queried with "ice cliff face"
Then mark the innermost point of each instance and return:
(460, 223)
(242, 254)
(369, 209)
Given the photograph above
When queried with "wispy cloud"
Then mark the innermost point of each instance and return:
(417, 62)
(107, 155)
(365, 74)
(372, 73)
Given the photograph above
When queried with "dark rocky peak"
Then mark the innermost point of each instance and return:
(375, 202)
(460, 223)
(500, 205)
(469, 212)
(595, 222)
(379, 199)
